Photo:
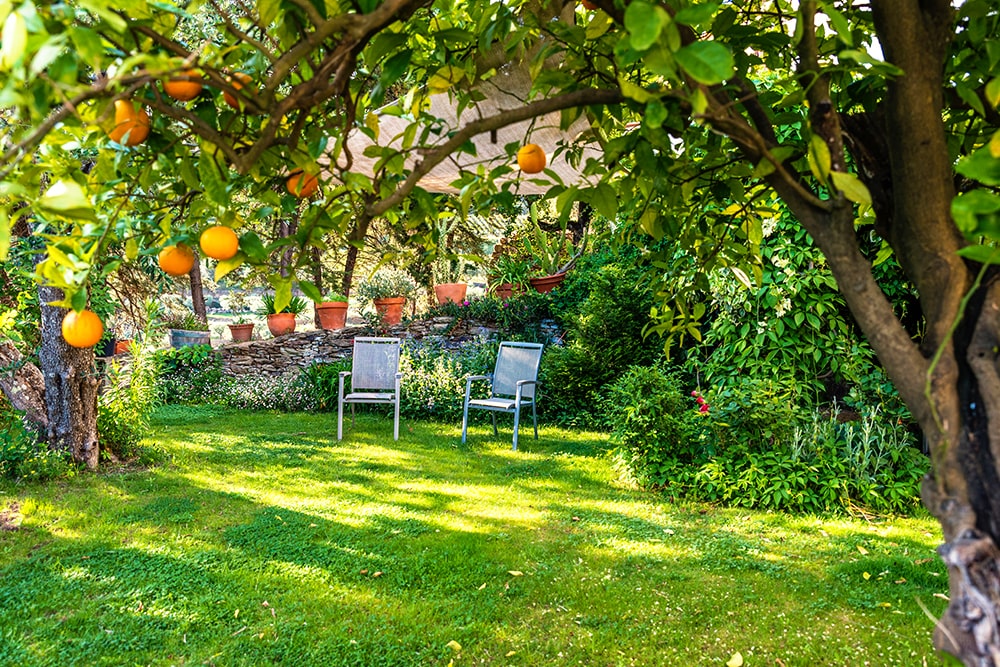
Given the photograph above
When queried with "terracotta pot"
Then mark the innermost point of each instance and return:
(547, 283)
(454, 292)
(332, 314)
(504, 291)
(390, 310)
(241, 333)
(121, 346)
(280, 324)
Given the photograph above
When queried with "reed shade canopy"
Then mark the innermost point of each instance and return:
(506, 90)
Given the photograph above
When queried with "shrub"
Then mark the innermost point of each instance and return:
(22, 456)
(188, 374)
(652, 424)
(287, 393)
(434, 378)
(125, 405)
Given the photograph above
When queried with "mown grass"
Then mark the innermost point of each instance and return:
(262, 540)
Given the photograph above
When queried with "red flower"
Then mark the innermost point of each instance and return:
(703, 408)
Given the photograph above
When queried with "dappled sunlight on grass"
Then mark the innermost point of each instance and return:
(264, 541)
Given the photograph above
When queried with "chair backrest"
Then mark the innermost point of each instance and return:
(516, 361)
(375, 363)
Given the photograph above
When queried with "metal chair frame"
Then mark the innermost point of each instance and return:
(375, 378)
(513, 385)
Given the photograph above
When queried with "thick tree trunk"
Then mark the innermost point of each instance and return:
(70, 387)
(23, 385)
(317, 278)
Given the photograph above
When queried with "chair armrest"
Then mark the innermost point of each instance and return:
(344, 374)
(519, 388)
(470, 378)
(521, 383)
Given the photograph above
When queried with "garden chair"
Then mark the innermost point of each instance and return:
(512, 385)
(375, 378)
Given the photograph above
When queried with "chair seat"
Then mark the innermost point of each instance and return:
(496, 403)
(369, 396)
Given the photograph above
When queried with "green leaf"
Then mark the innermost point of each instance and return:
(267, 10)
(4, 235)
(644, 23)
(852, 187)
(980, 166)
(741, 276)
(981, 253)
(14, 38)
(993, 92)
(227, 266)
(311, 291)
(604, 198)
(970, 97)
(697, 14)
(79, 299)
(706, 62)
(975, 213)
(819, 158)
(253, 248)
(48, 52)
(656, 114)
(598, 26)
(634, 92)
(765, 167)
(840, 24)
(212, 178)
(282, 294)
(67, 198)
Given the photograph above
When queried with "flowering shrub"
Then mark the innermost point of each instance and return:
(434, 378)
(188, 374)
(125, 405)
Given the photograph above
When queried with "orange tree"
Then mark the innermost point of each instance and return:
(867, 122)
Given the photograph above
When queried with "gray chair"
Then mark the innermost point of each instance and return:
(512, 385)
(375, 378)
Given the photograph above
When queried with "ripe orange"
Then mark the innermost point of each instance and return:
(219, 242)
(237, 80)
(131, 124)
(177, 260)
(184, 86)
(531, 158)
(83, 329)
(301, 184)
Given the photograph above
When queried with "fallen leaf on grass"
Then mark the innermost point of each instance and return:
(866, 576)
(510, 653)
(454, 646)
(736, 660)
(483, 586)
(576, 518)
(862, 550)
(364, 571)
(377, 574)
(515, 573)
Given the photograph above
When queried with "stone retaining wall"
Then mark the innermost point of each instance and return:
(281, 355)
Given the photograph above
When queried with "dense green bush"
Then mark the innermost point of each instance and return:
(23, 456)
(653, 424)
(518, 318)
(766, 458)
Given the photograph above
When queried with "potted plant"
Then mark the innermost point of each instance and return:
(240, 329)
(186, 329)
(551, 252)
(507, 276)
(388, 290)
(281, 322)
(448, 285)
(332, 311)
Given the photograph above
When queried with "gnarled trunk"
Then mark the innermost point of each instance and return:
(70, 387)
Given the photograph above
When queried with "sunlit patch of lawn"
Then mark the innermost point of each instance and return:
(262, 540)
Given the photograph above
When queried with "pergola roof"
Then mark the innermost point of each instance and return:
(508, 89)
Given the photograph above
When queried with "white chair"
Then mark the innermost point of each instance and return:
(512, 385)
(375, 378)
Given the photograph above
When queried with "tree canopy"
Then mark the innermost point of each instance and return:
(874, 125)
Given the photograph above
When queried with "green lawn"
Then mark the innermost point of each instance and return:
(264, 541)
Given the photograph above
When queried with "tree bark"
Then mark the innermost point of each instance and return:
(198, 293)
(70, 387)
(23, 385)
